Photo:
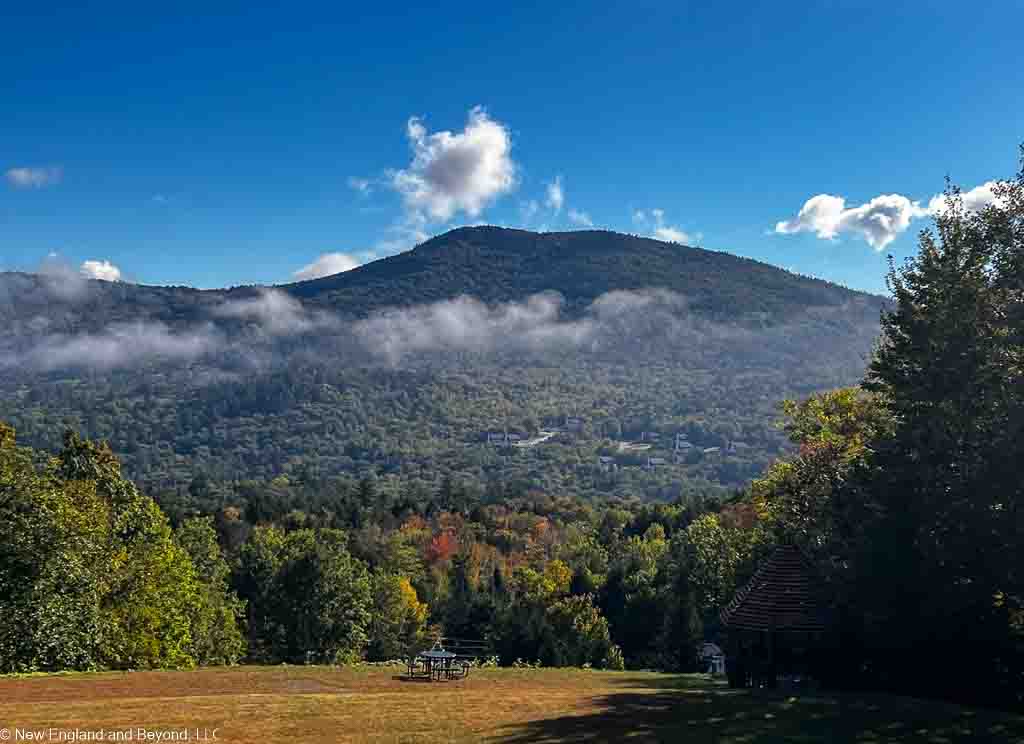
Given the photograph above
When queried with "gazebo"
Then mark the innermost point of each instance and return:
(774, 623)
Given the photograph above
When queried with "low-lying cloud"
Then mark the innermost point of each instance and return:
(466, 324)
(121, 345)
(536, 324)
(274, 313)
(251, 326)
(253, 329)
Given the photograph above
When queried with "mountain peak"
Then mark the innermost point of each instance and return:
(500, 264)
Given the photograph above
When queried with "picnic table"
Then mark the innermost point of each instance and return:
(437, 664)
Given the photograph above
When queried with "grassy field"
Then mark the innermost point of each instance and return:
(371, 704)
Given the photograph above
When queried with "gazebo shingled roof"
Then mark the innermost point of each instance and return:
(783, 595)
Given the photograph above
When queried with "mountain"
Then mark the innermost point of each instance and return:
(402, 366)
(499, 265)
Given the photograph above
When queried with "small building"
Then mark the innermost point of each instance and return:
(712, 450)
(775, 623)
(573, 424)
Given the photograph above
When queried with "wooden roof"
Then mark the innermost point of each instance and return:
(784, 595)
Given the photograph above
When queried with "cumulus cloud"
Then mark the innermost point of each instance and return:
(33, 178)
(653, 221)
(878, 221)
(456, 172)
(102, 270)
(974, 200)
(578, 217)
(326, 265)
(555, 195)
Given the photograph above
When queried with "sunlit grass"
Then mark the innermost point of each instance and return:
(371, 704)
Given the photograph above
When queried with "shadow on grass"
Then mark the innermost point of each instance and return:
(425, 680)
(684, 710)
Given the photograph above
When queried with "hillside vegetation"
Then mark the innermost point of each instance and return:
(402, 366)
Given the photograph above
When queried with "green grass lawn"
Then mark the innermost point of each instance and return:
(371, 704)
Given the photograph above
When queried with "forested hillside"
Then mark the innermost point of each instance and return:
(403, 366)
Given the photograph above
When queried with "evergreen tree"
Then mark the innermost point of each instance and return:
(949, 590)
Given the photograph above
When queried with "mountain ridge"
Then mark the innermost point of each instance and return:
(613, 254)
(581, 264)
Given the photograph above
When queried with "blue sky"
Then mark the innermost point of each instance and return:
(225, 143)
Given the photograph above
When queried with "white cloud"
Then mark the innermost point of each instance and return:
(453, 172)
(121, 345)
(555, 195)
(325, 265)
(578, 217)
(102, 270)
(33, 178)
(671, 235)
(654, 221)
(274, 312)
(974, 200)
(878, 221)
(534, 324)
